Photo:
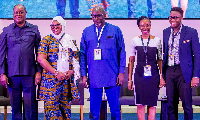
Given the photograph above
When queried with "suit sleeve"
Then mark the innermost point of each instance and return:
(196, 53)
(163, 56)
(3, 39)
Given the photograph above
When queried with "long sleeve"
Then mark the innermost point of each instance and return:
(83, 57)
(38, 38)
(3, 39)
(75, 62)
(196, 53)
(121, 52)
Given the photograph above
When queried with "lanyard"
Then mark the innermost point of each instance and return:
(145, 47)
(60, 39)
(99, 35)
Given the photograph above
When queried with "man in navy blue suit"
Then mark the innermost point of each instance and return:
(18, 68)
(180, 64)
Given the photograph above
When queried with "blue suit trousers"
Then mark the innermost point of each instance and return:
(16, 85)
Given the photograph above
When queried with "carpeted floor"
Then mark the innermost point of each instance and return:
(125, 116)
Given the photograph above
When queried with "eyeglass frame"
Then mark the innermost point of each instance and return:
(97, 16)
(53, 26)
(173, 17)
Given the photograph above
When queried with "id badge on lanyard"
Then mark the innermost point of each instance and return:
(147, 68)
(97, 52)
(171, 60)
(64, 55)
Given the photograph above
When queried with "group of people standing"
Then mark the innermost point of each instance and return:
(56, 63)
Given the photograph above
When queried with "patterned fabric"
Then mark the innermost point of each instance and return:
(51, 89)
(63, 56)
(175, 49)
(159, 52)
(53, 112)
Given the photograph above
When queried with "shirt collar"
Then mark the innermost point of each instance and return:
(101, 27)
(25, 25)
(178, 31)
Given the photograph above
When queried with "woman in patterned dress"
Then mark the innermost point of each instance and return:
(59, 56)
(148, 49)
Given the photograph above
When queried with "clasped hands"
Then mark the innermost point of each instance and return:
(59, 76)
(65, 75)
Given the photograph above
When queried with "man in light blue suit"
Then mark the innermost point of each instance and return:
(180, 64)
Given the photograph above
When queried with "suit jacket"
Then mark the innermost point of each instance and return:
(189, 52)
(19, 45)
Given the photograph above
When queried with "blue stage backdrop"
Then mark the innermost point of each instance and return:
(113, 8)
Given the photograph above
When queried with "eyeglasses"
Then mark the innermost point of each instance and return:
(20, 13)
(53, 26)
(97, 16)
(173, 17)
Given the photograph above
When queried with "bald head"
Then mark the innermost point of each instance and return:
(99, 9)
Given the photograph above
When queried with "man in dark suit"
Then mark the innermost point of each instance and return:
(180, 64)
(18, 67)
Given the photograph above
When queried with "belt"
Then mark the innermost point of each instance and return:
(176, 65)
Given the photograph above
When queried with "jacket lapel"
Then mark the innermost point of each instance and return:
(182, 36)
(168, 32)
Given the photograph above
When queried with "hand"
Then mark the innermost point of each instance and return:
(162, 82)
(37, 78)
(120, 79)
(4, 80)
(69, 73)
(85, 82)
(130, 85)
(60, 76)
(194, 82)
